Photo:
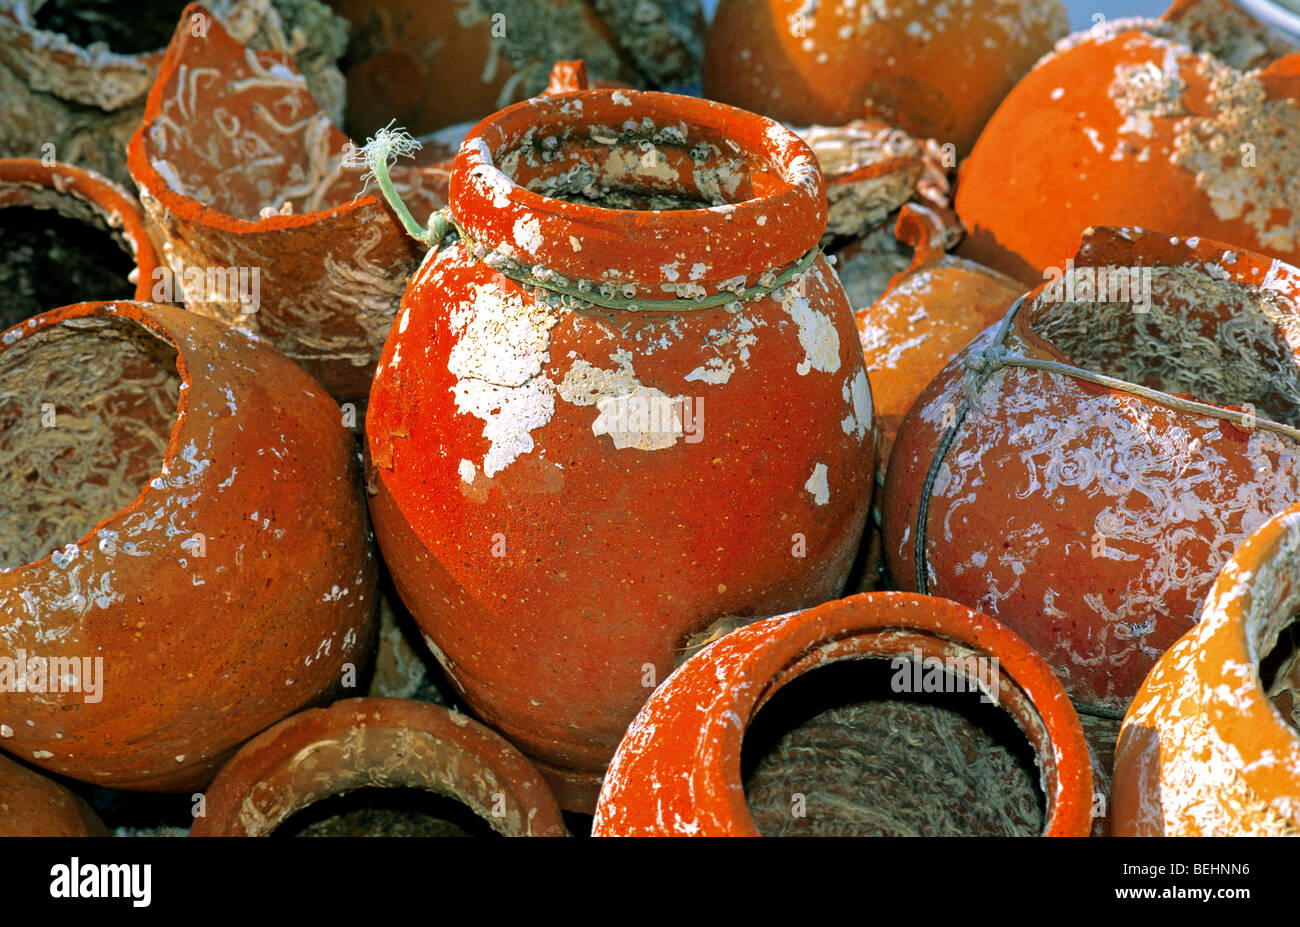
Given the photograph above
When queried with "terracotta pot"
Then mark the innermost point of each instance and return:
(485, 56)
(556, 512)
(242, 177)
(929, 312)
(67, 96)
(678, 769)
(83, 196)
(1210, 746)
(937, 71)
(390, 743)
(33, 806)
(1090, 519)
(1186, 124)
(211, 567)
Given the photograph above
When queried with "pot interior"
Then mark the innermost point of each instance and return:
(86, 412)
(637, 165)
(1272, 631)
(143, 26)
(386, 812)
(1180, 331)
(841, 751)
(57, 258)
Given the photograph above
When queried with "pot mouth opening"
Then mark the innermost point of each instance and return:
(624, 186)
(59, 256)
(1272, 627)
(86, 23)
(374, 811)
(89, 407)
(913, 743)
(1178, 330)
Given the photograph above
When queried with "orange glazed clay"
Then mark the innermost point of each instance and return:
(678, 769)
(1090, 519)
(937, 70)
(185, 530)
(33, 806)
(565, 491)
(1189, 124)
(1209, 746)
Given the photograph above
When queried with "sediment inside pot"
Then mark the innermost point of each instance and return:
(1182, 332)
(51, 260)
(635, 166)
(1272, 633)
(144, 26)
(380, 812)
(87, 409)
(840, 751)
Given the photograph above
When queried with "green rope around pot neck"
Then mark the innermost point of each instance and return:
(442, 228)
(981, 365)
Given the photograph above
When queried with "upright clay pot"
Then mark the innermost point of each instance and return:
(385, 742)
(33, 806)
(1055, 493)
(74, 83)
(569, 479)
(1210, 745)
(186, 532)
(935, 70)
(678, 769)
(1189, 124)
(77, 194)
(259, 216)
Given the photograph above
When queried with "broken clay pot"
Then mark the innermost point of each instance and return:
(390, 743)
(80, 195)
(32, 805)
(259, 218)
(584, 397)
(1189, 124)
(937, 71)
(1210, 745)
(74, 78)
(678, 769)
(1061, 495)
(186, 558)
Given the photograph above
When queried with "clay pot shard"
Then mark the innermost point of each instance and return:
(32, 805)
(78, 194)
(74, 85)
(261, 219)
(390, 743)
(678, 770)
(687, 352)
(185, 558)
(1210, 745)
(1090, 516)
(1189, 124)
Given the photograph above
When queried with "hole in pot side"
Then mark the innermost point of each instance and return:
(141, 27)
(55, 260)
(87, 410)
(837, 752)
(640, 168)
(1212, 340)
(385, 812)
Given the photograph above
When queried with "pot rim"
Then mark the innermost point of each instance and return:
(774, 651)
(109, 199)
(622, 245)
(140, 314)
(1249, 721)
(277, 751)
